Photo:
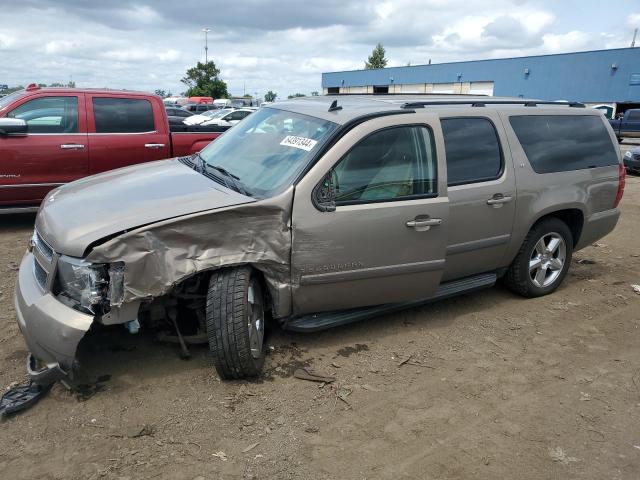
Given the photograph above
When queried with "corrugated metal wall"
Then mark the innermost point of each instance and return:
(596, 76)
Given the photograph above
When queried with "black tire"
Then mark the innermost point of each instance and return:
(228, 313)
(518, 277)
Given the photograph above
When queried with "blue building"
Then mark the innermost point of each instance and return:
(609, 79)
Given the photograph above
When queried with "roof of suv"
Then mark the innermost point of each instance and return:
(354, 106)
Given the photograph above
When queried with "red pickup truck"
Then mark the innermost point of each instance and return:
(51, 136)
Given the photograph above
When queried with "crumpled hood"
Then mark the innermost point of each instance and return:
(80, 213)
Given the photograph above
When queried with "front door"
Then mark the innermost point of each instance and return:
(482, 194)
(385, 241)
(53, 152)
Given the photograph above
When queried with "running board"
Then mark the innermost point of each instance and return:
(321, 321)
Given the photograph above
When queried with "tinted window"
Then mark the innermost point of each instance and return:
(473, 150)
(634, 116)
(49, 114)
(560, 143)
(390, 164)
(122, 115)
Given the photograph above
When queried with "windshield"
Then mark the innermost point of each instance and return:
(266, 150)
(4, 101)
(216, 113)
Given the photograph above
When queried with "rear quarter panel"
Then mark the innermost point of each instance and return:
(592, 191)
(187, 143)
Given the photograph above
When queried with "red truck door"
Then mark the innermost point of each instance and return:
(125, 130)
(54, 151)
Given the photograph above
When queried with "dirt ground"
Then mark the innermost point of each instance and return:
(484, 386)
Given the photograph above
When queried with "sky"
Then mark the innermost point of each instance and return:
(285, 45)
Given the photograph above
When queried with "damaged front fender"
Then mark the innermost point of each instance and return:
(161, 255)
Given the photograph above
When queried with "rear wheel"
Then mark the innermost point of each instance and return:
(543, 260)
(236, 322)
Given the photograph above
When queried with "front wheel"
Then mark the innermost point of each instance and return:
(543, 260)
(236, 322)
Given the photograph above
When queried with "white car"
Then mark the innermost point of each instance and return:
(200, 118)
(230, 118)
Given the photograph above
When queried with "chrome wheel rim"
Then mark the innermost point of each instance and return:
(547, 259)
(255, 320)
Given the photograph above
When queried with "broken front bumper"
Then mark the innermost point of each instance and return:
(51, 329)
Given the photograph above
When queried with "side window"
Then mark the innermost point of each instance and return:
(559, 143)
(49, 114)
(391, 164)
(473, 150)
(123, 115)
(634, 116)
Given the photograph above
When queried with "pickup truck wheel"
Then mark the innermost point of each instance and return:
(236, 323)
(543, 260)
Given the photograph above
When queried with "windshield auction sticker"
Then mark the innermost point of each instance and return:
(298, 142)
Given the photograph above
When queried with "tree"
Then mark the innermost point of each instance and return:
(376, 59)
(161, 93)
(315, 93)
(203, 81)
(296, 95)
(270, 96)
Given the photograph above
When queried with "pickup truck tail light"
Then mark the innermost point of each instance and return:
(622, 176)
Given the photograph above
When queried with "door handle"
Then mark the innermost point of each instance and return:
(429, 222)
(71, 146)
(498, 199)
(154, 145)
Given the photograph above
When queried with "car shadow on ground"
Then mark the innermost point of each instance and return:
(126, 360)
(11, 223)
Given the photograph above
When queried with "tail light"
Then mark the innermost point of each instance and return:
(622, 176)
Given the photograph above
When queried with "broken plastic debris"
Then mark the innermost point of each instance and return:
(308, 374)
(21, 397)
(221, 455)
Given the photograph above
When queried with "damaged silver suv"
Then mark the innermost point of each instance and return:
(318, 212)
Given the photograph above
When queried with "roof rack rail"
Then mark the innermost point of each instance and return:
(483, 103)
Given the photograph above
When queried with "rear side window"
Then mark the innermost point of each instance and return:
(49, 114)
(473, 150)
(560, 143)
(123, 115)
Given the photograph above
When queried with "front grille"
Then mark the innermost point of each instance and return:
(40, 273)
(42, 246)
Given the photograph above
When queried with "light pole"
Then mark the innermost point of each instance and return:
(206, 46)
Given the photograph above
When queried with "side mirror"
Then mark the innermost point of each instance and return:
(13, 127)
(324, 195)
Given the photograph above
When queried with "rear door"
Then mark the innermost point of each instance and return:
(385, 241)
(482, 193)
(54, 151)
(125, 131)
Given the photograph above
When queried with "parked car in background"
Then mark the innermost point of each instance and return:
(52, 136)
(221, 102)
(206, 116)
(318, 214)
(631, 160)
(207, 100)
(179, 112)
(199, 107)
(229, 119)
(628, 125)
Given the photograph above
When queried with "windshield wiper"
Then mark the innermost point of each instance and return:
(236, 184)
(233, 180)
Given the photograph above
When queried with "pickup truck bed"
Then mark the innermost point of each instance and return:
(73, 133)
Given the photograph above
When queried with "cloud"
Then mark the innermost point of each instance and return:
(262, 45)
(6, 41)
